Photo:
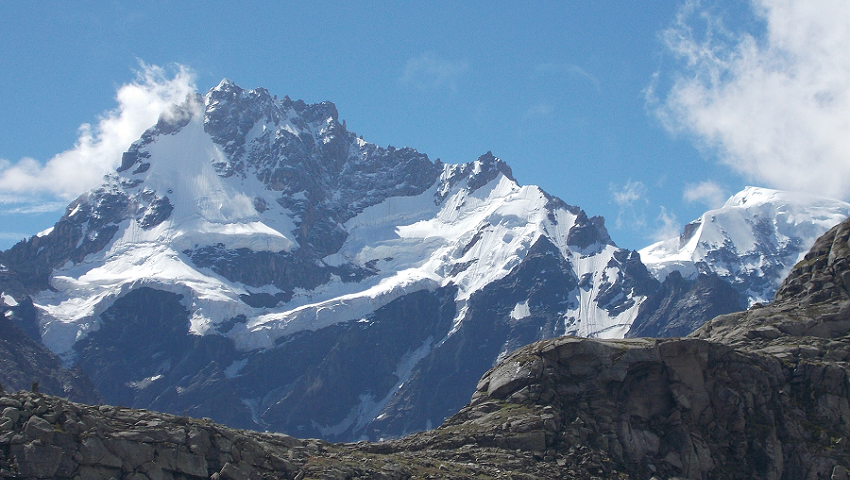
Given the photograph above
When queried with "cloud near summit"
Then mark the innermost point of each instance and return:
(775, 105)
(98, 149)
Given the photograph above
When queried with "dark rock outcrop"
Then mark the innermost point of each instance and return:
(757, 394)
(680, 306)
(23, 361)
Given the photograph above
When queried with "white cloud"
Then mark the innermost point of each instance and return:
(631, 200)
(627, 195)
(774, 104)
(98, 149)
(432, 72)
(668, 226)
(707, 193)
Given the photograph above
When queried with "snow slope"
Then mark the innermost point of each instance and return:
(751, 242)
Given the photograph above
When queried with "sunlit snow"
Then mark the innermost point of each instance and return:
(413, 242)
(753, 223)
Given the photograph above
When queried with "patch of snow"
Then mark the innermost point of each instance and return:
(254, 407)
(593, 320)
(144, 383)
(521, 311)
(262, 330)
(355, 417)
(8, 299)
(232, 371)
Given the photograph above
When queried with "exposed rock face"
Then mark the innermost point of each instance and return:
(24, 360)
(683, 407)
(757, 394)
(762, 394)
(680, 306)
(47, 437)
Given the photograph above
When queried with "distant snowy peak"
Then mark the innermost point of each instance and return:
(752, 241)
(751, 197)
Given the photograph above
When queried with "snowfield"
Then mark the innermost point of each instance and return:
(759, 232)
(412, 242)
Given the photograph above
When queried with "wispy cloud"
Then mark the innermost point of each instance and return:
(539, 110)
(774, 104)
(568, 69)
(631, 198)
(707, 193)
(98, 149)
(628, 194)
(668, 226)
(430, 71)
(29, 208)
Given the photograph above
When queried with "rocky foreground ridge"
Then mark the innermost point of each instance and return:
(761, 394)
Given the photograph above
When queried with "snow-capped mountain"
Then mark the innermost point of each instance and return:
(752, 242)
(255, 262)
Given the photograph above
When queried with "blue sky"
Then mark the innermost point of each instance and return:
(647, 113)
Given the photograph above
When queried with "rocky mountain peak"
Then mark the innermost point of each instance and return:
(473, 175)
(232, 110)
(487, 166)
(245, 233)
(824, 273)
